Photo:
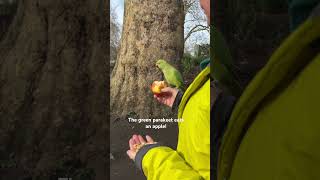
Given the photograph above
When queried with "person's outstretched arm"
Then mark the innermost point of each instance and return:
(161, 163)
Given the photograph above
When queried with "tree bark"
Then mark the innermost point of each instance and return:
(152, 30)
(7, 12)
(53, 89)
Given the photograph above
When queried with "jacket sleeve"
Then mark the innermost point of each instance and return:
(177, 101)
(163, 163)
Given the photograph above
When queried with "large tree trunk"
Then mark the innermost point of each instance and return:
(7, 12)
(152, 30)
(53, 90)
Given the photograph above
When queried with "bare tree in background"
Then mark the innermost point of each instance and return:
(114, 36)
(195, 22)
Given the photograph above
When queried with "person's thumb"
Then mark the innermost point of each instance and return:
(166, 90)
(149, 139)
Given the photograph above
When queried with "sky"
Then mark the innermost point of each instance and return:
(119, 7)
(196, 38)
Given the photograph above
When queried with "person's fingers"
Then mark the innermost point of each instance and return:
(131, 143)
(149, 139)
(136, 139)
(131, 154)
(166, 89)
(161, 100)
(141, 139)
(157, 96)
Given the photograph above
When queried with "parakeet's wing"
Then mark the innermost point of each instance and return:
(173, 77)
(221, 68)
(226, 78)
(221, 50)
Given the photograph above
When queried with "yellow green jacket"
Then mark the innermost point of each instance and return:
(274, 129)
(191, 159)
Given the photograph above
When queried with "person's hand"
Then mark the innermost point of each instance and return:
(136, 142)
(167, 96)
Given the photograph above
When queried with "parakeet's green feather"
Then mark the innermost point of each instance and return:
(172, 75)
(223, 65)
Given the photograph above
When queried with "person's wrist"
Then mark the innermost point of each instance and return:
(142, 152)
(177, 100)
(174, 96)
(139, 146)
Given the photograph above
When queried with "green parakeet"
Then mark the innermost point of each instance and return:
(222, 66)
(172, 75)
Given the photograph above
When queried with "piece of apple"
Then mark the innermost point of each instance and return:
(157, 86)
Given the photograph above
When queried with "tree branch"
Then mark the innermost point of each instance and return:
(196, 28)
